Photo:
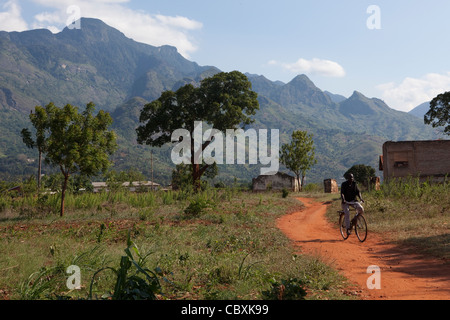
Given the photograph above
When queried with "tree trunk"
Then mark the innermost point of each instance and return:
(63, 193)
(197, 171)
(300, 186)
(196, 177)
(195, 167)
(303, 180)
(39, 171)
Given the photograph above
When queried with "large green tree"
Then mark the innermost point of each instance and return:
(224, 101)
(299, 155)
(77, 142)
(439, 113)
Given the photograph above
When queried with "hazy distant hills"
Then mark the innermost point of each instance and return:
(98, 63)
(302, 99)
(420, 110)
(347, 131)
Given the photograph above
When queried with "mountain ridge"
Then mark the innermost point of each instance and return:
(90, 60)
(99, 63)
(420, 110)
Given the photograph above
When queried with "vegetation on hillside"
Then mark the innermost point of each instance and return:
(121, 76)
(216, 243)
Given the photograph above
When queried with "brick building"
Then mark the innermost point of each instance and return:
(423, 159)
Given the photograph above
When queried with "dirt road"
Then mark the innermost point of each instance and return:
(402, 276)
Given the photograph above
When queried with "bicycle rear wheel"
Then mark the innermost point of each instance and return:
(342, 227)
(361, 228)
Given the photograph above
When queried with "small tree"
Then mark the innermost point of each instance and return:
(299, 155)
(78, 142)
(439, 113)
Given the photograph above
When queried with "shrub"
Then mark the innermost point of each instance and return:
(196, 207)
(200, 202)
(291, 289)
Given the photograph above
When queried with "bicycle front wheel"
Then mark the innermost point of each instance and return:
(342, 227)
(361, 228)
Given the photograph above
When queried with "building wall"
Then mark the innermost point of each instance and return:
(275, 182)
(426, 159)
(330, 186)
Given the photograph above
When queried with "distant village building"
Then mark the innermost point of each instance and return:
(278, 181)
(330, 186)
(133, 187)
(423, 159)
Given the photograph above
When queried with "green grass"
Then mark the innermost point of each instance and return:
(229, 249)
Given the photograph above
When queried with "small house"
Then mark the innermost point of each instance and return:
(330, 186)
(422, 159)
(278, 181)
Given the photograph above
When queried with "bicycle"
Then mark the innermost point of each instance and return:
(358, 223)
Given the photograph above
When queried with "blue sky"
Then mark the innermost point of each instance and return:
(393, 50)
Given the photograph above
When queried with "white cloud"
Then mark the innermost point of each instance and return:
(315, 66)
(11, 19)
(153, 29)
(412, 92)
(156, 30)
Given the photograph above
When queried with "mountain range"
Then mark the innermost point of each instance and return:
(100, 64)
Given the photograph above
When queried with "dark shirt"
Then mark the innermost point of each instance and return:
(349, 190)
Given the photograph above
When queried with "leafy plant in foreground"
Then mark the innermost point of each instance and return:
(143, 284)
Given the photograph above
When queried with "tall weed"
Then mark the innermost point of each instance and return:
(411, 187)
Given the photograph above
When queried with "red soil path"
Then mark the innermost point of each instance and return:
(404, 276)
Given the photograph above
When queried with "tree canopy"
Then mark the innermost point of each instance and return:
(224, 101)
(439, 113)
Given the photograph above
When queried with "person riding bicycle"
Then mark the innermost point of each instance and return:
(349, 192)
